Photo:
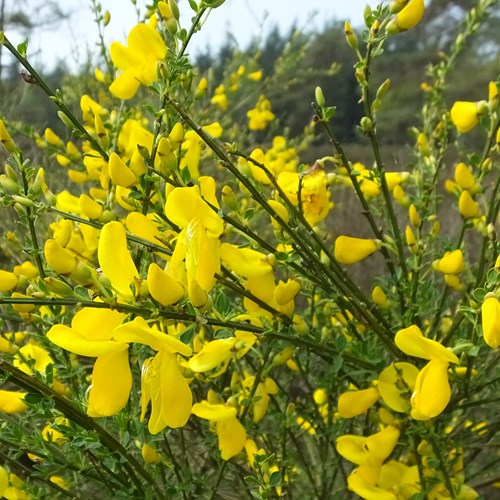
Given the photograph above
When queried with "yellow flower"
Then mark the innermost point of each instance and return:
(380, 297)
(261, 115)
(468, 208)
(163, 384)
(312, 186)
(231, 434)
(464, 177)
(150, 455)
(8, 281)
(464, 116)
(6, 139)
(451, 263)
(137, 60)
(120, 174)
(490, 312)
(90, 335)
(354, 403)
(408, 17)
(285, 292)
(371, 450)
(349, 250)
(53, 435)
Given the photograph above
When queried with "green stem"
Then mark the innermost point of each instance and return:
(321, 349)
(438, 453)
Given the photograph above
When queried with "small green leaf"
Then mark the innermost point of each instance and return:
(275, 479)
(478, 294)
(22, 48)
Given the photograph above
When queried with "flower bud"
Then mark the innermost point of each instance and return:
(6, 139)
(9, 185)
(319, 96)
(352, 39)
(174, 9)
(229, 198)
(58, 287)
(106, 18)
(384, 87)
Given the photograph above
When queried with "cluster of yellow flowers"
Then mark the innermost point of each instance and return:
(177, 278)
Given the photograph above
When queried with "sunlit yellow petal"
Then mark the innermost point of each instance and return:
(73, 341)
(490, 311)
(120, 174)
(450, 263)
(58, 258)
(162, 287)
(464, 116)
(213, 412)
(8, 281)
(138, 331)
(354, 403)
(350, 250)
(232, 437)
(245, 261)
(115, 260)
(12, 402)
(111, 383)
(412, 342)
(432, 390)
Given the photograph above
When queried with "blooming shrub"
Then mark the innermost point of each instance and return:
(180, 319)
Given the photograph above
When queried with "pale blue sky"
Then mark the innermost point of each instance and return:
(244, 18)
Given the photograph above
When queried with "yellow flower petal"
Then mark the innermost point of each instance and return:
(212, 355)
(111, 383)
(245, 261)
(490, 312)
(213, 412)
(8, 281)
(354, 403)
(411, 15)
(366, 488)
(115, 260)
(89, 207)
(285, 292)
(232, 437)
(74, 341)
(58, 258)
(12, 402)
(432, 391)
(150, 455)
(464, 116)
(412, 342)
(120, 174)
(467, 206)
(451, 263)
(163, 288)
(464, 177)
(350, 250)
(171, 399)
(138, 331)
(95, 323)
